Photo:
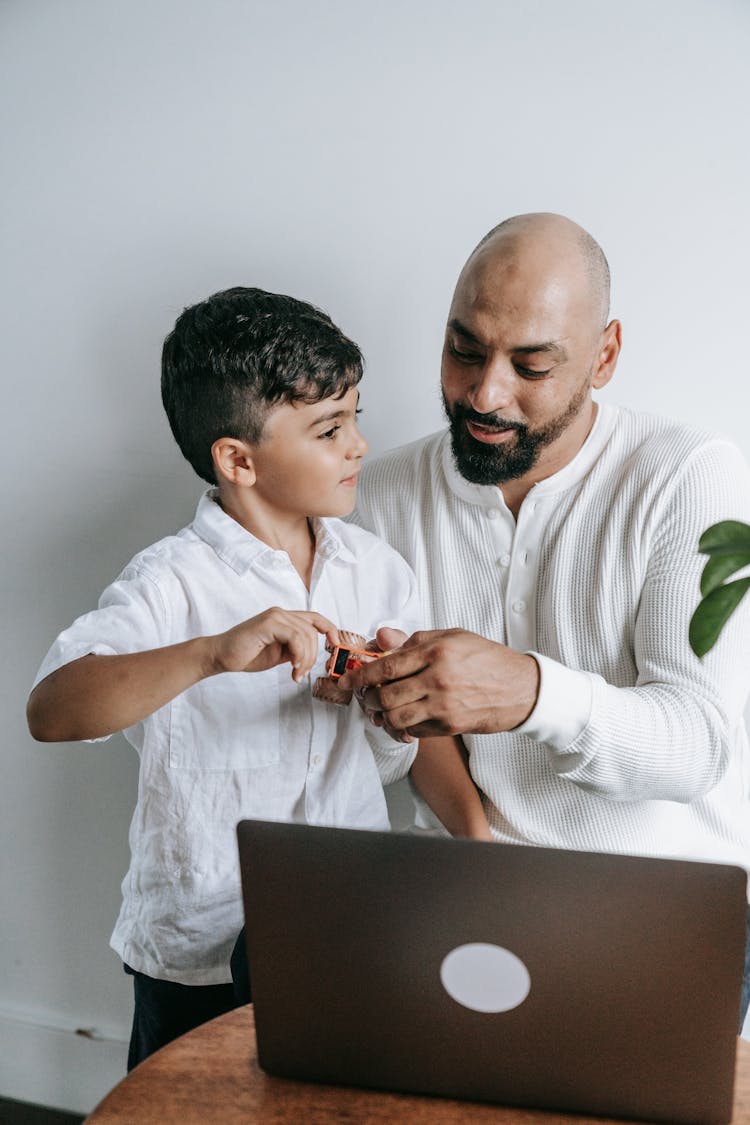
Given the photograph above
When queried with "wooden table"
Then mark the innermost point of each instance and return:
(211, 1077)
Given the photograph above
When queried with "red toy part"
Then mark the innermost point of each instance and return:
(350, 653)
(345, 659)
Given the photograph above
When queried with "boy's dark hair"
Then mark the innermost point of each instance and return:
(232, 357)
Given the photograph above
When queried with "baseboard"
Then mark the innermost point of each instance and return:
(47, 1060)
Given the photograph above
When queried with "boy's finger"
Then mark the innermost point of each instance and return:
(329, 630)
(323, 625)
(303, 651)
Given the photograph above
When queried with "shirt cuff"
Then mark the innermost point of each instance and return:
(563, 706)
(61, 654)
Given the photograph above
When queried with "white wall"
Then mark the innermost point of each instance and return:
(350, 153)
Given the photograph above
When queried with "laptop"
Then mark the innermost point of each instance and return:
(584, 982)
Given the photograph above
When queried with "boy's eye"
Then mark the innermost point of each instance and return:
(330, 434)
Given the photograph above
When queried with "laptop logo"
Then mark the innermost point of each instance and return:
(485, 978)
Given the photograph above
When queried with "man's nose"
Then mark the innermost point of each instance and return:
(493, 388)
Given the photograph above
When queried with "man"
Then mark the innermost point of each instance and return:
(555, 544)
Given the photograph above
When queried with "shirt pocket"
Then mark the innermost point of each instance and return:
(227, 722)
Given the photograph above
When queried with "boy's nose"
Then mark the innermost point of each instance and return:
(358, 448)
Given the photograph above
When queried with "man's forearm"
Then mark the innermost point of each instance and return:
(95, 696)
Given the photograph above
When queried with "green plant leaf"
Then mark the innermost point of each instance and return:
(720, 567)
(712, 614)
(730, 537)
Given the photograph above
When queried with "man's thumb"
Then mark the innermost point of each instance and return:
(388, 639)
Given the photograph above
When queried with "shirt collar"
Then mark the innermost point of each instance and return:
(240, 550)
(490, 495)
(329, 542)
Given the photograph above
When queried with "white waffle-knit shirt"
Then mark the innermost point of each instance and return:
(635, 745)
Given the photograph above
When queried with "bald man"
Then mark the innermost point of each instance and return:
(555, 544)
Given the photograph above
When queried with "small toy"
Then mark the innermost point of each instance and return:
(351, 652)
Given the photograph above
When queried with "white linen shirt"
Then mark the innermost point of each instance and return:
(635, 745)
(235, 745)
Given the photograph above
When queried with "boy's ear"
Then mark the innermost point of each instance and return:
(233, 461)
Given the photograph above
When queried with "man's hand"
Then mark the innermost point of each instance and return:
(446, 682)
(273, 637)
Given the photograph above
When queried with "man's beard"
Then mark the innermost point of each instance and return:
(482, 463)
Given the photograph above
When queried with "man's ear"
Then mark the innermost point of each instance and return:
(609, 349)
(233, 461)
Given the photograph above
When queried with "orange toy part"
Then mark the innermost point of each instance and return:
(351, 652)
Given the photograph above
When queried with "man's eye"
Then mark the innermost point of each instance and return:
(462, 356)
(530, 373)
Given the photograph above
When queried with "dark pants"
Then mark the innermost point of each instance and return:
(240, 971)
(165, 1010)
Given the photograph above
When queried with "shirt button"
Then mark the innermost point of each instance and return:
(504, 560)
(493, 514)
(519, 606)
(316, 760)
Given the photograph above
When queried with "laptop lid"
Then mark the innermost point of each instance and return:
(588, 982)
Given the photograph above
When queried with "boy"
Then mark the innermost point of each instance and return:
(261, 395)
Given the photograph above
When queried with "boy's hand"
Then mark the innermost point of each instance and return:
(273, 637)
(96, 695)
